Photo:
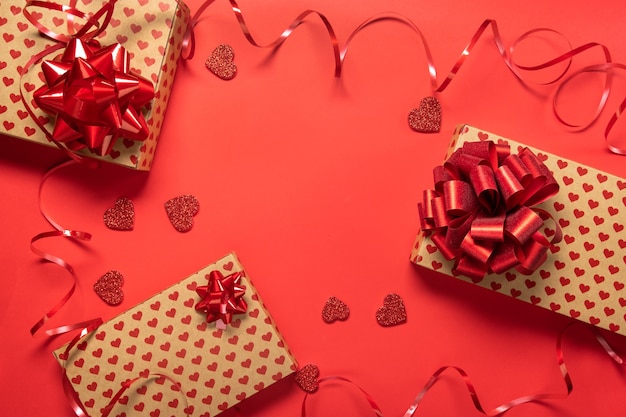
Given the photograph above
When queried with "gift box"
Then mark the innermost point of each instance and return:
(152, 33)
(183, 361)
(583, 275)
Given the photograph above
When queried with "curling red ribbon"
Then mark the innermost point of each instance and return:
(607, 67)
(368, 397)
(59, 231)
(537, 398)
(222, 297)
(154, 375)
(481, 212)
(91, 90)
(72, 398)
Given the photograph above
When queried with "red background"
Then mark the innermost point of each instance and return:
(314, 182)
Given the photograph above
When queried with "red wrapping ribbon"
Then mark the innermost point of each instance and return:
(91, 90)
(537, 398)
(95, 97)
(59, 231)
(500, 409)
(222, 297)
(370, 400)
(481, 213)
(71, 395)
(607, 67)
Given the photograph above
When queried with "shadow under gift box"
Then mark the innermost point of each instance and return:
(216, 369)
(151, 31)
(584, 275)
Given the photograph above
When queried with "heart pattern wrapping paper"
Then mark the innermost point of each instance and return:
(216, 368)
(152, 32)
(585, 274)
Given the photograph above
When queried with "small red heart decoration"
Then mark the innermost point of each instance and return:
(306, 378)
(335, 309)
(109, 288)
(121, 216)
(427, 117)
(180, 210)
(392, 312)
(221, 62)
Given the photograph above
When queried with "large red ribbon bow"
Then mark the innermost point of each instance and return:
(91, 90)
(222, 297)
(481, 211)
(95, 97)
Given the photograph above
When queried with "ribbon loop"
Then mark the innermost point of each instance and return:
(483, 181)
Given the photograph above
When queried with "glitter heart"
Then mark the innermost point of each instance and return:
(109, 288)
(392, 312)
(221, 62)
(180, 210)
(306, 378)
(427, 117)
(121, 216)
(335, 309)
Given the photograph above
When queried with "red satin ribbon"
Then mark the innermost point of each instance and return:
(369, 398)
(95, 97)
(71, 395)
(59, 231)
(222, 297)
(607, 67)
(92, 91)
(481, 211)
(537, 398)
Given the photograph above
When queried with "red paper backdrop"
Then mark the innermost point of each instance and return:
(314, 182)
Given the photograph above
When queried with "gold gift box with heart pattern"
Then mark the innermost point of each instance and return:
(584, 275)
(209, 369)
(151, 31)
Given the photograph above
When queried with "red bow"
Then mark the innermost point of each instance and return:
(480, 213)
(95, 95)
(222, 298)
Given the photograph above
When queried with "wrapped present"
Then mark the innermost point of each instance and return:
(197, 348)
(582, 276)
(105, 97)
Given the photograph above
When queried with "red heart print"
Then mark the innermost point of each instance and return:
(392, 312)
(221, 62)
(180, 210)
(109, 288)
(121, 216)
(306, 378)
(427, 117)
(335, 309)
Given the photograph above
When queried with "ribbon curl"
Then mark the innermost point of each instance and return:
(481, 212)
(222, 298)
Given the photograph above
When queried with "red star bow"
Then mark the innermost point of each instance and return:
(222, 298)
(95, 96)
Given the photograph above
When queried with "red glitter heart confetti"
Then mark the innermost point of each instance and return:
(335, 309)
(121, 216)
(392, 312)
(427, 117)
(221, 62)
(306, 378)
(180, 210)
(109, 288)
